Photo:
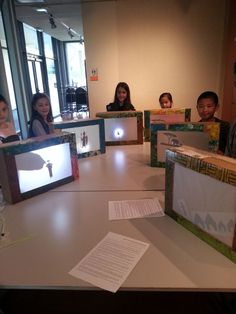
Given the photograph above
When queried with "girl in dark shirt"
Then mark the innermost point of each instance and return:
(122, 100)
(41, 116)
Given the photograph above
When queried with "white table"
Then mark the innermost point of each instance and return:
(63, 225)
(121, 168)
(55, 230)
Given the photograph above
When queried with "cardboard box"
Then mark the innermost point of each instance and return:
(36, 165)
(201, 195)
(89, 133)
(168, 115)
(197, 134)
(123, 127)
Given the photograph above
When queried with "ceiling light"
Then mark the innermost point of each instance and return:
(30, 1)
(41, 10)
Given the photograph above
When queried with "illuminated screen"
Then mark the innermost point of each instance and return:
(195, 198)
(43, 166)
(121, 129)
(169, 139)
(87, 138)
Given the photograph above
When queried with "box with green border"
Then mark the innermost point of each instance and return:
(203, 135)
(201, 196)
(168, 115)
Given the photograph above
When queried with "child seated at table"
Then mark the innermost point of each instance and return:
(41, 116)
(166, 100)
(207, 105)
(7, 129)
(122, 101)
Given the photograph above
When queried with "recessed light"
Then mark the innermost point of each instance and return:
(30, 1)
(42, 10)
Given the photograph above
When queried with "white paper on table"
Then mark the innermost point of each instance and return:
(110, 262)
(129, 209)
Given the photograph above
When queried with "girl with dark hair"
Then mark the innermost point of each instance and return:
(41, 116)
(7, 129)
(122, 100)
(166, 100)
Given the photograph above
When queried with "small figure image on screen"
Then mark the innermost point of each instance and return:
(43, 166)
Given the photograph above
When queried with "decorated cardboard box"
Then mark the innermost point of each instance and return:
(123, 127)
(201, 195)
(36, 165)
(197, 134)
(89, 133)
(168, 115)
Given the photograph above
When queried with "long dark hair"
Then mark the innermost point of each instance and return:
(168, 95)
(126, 87)
(3, 99)
(34, 113)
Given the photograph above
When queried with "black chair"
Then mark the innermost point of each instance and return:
(70, 98)
(81, 99)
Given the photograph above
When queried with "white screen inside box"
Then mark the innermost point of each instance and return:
(43, 166)
(167, 139)
(87, 138)
(208, 203)
(121, 129)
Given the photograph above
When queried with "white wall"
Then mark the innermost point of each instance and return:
(154, 46)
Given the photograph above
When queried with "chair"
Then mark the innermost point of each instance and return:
(81, 99)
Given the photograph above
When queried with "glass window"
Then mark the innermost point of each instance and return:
(31, 74)
(75, 55)
(31, 39)
(39, 76)
(2, 33)
(8, 76)
(48, 50)
(52, 82)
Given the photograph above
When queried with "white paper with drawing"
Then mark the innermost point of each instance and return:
(110, 262)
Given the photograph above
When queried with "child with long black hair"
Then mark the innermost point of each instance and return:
(41, 116)
(122, 101)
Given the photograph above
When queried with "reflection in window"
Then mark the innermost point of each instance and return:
(8, 76)
(31, 39)
(52, 82)
(75, 55)
(51, 71)
(31, 74)
(47, 39)
(39, 76)
(2, 33)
